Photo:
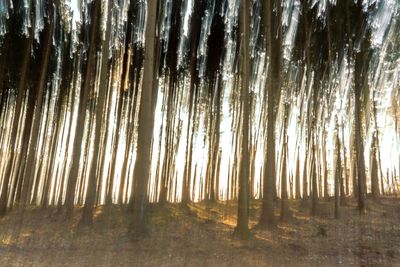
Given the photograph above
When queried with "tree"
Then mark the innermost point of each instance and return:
(297, 176)
(242, 226)
(285, 212)
(361, 58)
(273, 35)
(213, 72)
(141, 171)
(376, 153)
(338, 169)
(374, 168)
(87, 218)
(135, 72)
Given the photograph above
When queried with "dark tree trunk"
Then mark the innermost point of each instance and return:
(273, 33)
(374, 169)
(242, 226)
(141, 171)
(87, 217)
(361, 60)
(326, 189)
(359, 151)
(285, 212)
(345, 173)
(314, 188)
(337, 173)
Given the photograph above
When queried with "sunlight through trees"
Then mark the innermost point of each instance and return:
(186, 101)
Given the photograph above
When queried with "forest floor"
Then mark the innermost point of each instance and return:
(203, 237)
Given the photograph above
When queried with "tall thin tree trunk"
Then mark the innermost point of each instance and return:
(87, 217)
(271, 10)
(345, 173)
(314, 186)
(285, 212)
(374, 168)
(337, 174)
(359, 149)
(297, 175)
(141, 171)
(360, 83)
(242, 226)
(378, 148)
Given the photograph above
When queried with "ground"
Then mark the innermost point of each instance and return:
(203, 237)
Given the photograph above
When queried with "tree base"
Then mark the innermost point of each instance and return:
(241, 233)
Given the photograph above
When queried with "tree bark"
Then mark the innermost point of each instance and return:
(297, 177)
(271, 24)
(285, 211)
(242, 226)
(141, 171)
(374, 169)
(337, 174)
(87, 217)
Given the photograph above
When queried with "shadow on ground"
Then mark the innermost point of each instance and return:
(202, 236)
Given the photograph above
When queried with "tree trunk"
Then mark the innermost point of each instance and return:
(271, 22)
(325, 175)
(87, 217)
(297, 177)
(359, 151)
(345, 174)
(378, 149)
(314, 189)
(215, 144)
(337, 174)
(360, 82)
(285, 212)
(374, 169)
(141, 171)
(242, 226)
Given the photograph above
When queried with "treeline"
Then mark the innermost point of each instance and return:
(131, 102)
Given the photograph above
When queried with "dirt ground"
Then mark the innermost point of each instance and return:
(203, 237)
